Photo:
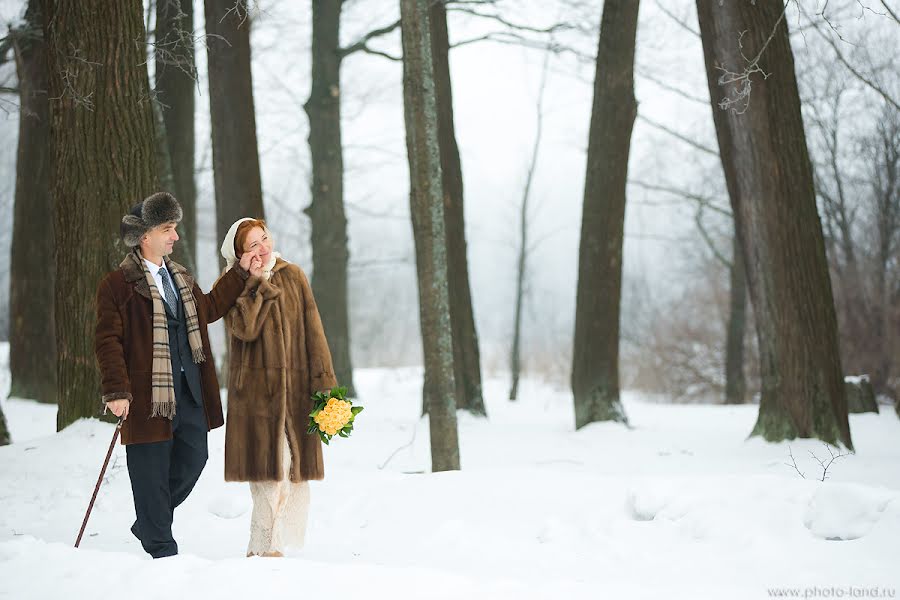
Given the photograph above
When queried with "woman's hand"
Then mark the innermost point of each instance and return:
(256, 269)
(251, 263)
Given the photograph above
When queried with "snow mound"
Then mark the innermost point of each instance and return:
(845, 511)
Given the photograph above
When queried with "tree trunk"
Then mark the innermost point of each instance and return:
(521, 262)
(735, 380)
(860, 394)
(4, 430)
(32, 346)
(766, 163)
(176, 76)
(235, 151)
(326, 211)
(427, 211)
(466, 357)
(595, 359)
(103, 161)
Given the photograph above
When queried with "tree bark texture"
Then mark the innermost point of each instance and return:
(176, 76)
(766, 162)
(427, 211)
(235, 150)
(32, 345)
(330, 251)
(466, 356)
(103, 162)
(735, 378)
(595, 359)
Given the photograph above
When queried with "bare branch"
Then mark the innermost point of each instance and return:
(890, 12)
(698, 219)
(691, 142)
(867, 81)
(705, 201)
(825, 464)
(362, 44)
(793, 463)
(644, 74)
(681, 22)
(556, 27)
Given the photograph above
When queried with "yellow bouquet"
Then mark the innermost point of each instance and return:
(332, 414)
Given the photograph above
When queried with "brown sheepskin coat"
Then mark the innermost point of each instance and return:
(279, 357)
(123, 345)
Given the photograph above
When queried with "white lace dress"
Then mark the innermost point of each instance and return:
(280, 512)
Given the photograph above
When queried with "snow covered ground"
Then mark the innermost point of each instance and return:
(681, 505)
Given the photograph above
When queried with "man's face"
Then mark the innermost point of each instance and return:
(160, 240)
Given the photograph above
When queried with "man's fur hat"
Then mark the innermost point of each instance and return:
(155, 210)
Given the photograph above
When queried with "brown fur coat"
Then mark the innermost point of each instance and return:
(124, 346)
(279, 357)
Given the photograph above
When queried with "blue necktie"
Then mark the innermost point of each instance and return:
(168, 291)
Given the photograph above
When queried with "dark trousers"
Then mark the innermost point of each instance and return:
(164, 473)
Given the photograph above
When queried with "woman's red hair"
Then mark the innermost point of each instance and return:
(243, 230)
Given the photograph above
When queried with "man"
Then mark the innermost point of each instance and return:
(156, 367)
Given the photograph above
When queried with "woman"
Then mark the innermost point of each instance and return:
(279, 358)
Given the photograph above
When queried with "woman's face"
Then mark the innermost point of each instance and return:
(259, 243)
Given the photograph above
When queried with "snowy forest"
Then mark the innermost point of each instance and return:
(617, 282)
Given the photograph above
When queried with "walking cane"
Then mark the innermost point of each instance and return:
(87, 515)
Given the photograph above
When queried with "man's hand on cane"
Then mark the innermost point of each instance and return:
(119, 408)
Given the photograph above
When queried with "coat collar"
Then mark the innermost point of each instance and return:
(135, 274)
(280, 263)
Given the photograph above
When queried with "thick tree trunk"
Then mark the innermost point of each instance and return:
(735, 380)
(103, 161)
(176, 76)
(427, 211)
(326, 212)
(235, 150)
(32, 346)
(766, 162)
(466, 357)
(595, 359)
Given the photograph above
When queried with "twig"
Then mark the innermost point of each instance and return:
(833, 457)
(407, 445)
(793, 463)
(680, 136)
(742, 80)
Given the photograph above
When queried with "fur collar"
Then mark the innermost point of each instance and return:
(135, 275)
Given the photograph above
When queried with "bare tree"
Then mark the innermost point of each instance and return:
(176, 78)
(32, 353)
(524, 242)
(595, 368)
(233, 118)
(767, 169)
(427, 211)
(326, 211)
(466, 355)
(103, 161)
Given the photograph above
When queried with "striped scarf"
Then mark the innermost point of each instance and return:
(162, 387)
